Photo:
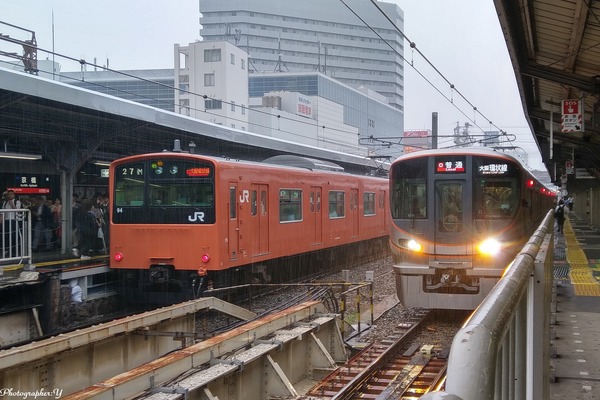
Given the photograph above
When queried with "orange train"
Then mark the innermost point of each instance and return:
(181, 221)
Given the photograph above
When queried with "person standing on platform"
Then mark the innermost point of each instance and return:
(88, 230)
(43, 224)
(559, 215)
(76, 217)
(102, 205)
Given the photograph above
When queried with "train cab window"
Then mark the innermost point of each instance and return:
(369, 203)
(496, 198)
(129, 185)
(497, 193)
(290, 205)
(336, 204)
(450, 201)
(167, 194)
(409, 190)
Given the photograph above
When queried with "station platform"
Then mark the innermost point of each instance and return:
(577, 328)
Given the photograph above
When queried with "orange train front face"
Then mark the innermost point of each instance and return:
(163, 212)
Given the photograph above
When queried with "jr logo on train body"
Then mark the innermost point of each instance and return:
(198, 216)
(245, 196)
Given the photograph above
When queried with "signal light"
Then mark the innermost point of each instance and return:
(205, 258)
(530, 183)
(118, 256)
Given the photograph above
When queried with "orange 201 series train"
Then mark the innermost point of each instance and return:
(180, 220)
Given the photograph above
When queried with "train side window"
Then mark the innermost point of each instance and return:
(232, 203)
(263, 202)
(336, 204)
(318, 201)
(290, 205)
(253, 204)
(369, 203)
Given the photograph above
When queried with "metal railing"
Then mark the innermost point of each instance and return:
(15, 238)
(503, 350)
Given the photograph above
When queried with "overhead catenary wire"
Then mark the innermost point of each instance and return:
(415, 48)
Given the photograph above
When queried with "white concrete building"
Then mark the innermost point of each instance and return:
(212, 78)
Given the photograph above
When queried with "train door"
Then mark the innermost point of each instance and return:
(452, 210)
(353, 213)
(234, 227)
(315, 213)
(259, 219)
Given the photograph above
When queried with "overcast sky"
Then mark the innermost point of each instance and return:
(462, 39)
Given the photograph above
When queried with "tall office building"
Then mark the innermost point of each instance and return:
(315, 35)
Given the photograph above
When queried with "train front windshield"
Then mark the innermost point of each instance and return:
(164, 191)
(491, 184)
(497, 186)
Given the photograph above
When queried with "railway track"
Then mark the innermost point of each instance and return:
(410, 362)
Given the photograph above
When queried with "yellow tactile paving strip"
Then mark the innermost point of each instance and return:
(580, 273)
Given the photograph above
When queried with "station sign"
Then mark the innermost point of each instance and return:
(572, 116)
(27, 190)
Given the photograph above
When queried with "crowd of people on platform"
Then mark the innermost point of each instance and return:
(90, 226)
(89, 223)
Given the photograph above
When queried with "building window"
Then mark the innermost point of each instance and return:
(243, 109)
(243, 62)
(371, 123)
(233, 106)
(232, 58)
(212, 55)
(212, 104)
(209, 79)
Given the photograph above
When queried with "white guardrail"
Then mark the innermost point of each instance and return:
(503, 350)
(15, 238)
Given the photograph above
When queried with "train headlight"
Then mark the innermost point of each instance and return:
(118, 256)
(414, 245)
(489, 247)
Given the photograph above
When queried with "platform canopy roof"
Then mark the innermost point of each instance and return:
(554, 46)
